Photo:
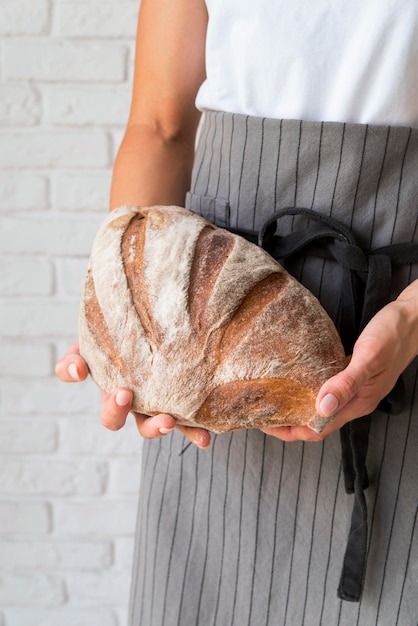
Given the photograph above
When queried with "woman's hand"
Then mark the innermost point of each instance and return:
(384, 349)
(117, 405)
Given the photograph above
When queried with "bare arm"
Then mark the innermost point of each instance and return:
(155, 158)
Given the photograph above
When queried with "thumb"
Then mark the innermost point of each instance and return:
(339, 390)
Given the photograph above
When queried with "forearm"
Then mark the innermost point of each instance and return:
(152, 168)
(408, 300)
(155, 159)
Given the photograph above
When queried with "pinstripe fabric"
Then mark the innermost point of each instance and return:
(253, 531)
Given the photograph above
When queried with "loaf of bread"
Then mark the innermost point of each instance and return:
(202, 324)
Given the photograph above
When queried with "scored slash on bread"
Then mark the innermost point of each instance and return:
(202, 324)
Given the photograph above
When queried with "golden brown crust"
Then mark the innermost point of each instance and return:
(213, 247)
(256, 404)
(242, 322)
(203, 325)
(98, 327)
(132, 254)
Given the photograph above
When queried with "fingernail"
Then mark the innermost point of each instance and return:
(328, 405)
(165, 431)
(72, 370)
(123, 397)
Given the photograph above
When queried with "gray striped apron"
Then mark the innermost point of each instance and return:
(253, 531)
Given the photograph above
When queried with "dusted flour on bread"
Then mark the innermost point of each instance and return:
(202, 324)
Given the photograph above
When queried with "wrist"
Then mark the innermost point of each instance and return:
(408, 303)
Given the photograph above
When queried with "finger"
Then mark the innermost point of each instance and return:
(339, 390)
(74, 348)
(163, 424)
(157, 426)
(362, 404)
(72, 367)
(199, 436)
(294, 433)
(115, 408)
(304, 433)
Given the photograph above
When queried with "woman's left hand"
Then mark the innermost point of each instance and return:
(384, 349)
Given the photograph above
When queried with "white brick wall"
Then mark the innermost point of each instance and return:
(68, 487)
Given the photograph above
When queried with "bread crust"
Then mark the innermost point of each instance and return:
(202, 324)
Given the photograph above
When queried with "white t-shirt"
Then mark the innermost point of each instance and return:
(328, 60)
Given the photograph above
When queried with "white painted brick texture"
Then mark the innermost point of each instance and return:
(68, 488)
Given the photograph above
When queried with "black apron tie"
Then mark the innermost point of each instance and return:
(365, 290)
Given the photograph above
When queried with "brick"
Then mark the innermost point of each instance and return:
(24, 518)
(122, 615)
(63, 61)
(20, 358)
(31, 590)
(97, 440)
(124, 476)
(27, 437)
(78, 106)
(65, 616)
(102, 588)
(26, 276)
(48, 318)
(77, 555)
(48, 149)
(19, 104)
(19, 17)
(71, 273)
(20, 191)
(96, 19)
(52, 477)
(101, 518)
(79, 191)
(48, 397)
(124, 550)
(60, 236)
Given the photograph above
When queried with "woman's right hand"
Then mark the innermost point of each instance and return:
(117, 405)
